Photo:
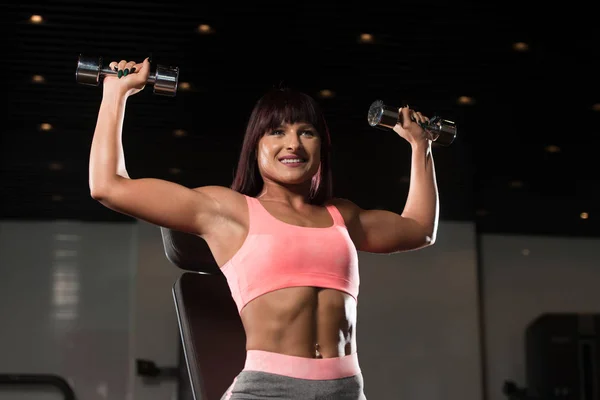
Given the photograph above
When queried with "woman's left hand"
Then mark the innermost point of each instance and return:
(408, 126)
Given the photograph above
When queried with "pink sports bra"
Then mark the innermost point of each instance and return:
(278, 255)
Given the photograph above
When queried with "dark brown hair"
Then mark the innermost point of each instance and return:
(276, 107)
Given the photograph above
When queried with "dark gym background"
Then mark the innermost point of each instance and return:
(86, 292)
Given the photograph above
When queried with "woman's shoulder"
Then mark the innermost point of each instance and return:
(341, 202)
(347, 208)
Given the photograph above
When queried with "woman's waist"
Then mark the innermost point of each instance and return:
(302, 367)
(303, 347)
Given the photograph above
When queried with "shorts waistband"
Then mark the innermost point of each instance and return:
(302, 367)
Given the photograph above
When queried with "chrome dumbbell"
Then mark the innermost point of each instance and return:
(91, 71)
(440, 131)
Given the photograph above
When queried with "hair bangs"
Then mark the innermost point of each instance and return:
(287, 107)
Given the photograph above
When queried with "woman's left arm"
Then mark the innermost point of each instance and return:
(381, 231)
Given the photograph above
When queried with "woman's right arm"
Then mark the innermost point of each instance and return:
(159, 202)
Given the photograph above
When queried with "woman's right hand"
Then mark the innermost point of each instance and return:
(130, 79)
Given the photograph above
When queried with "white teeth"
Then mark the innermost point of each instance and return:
(292, 160)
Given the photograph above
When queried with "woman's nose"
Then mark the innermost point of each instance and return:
(293, 142)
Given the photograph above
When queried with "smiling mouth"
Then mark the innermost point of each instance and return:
(293, 161)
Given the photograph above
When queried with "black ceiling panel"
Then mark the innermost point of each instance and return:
(499, 172)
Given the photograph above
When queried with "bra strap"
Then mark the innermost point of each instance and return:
(259, 217)
(336, 215)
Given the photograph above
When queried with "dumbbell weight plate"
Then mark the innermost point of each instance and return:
(165, 80)
(88, 70)
(381, 116)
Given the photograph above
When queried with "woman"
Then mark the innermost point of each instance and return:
(287, 247)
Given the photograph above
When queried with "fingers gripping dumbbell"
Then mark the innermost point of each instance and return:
(91, 70)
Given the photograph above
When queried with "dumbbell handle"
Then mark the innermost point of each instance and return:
(107, 71)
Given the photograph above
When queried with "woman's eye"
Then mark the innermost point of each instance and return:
(310, 133)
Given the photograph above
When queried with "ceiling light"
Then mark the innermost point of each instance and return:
(205, 29)
(584, 215)
(466, 100)
(521, 46)
(596, 107)
(326, 94)
(184, 85)
(366, 38)
(37, 79)
(516, 184)
(552, 149)
(179, 133)
(36, 19)
(45, 126)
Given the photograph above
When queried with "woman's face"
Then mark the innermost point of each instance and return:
(289, 154)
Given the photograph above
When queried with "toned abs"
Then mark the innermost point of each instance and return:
(302, 321)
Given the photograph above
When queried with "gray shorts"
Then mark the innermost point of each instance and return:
(254, 385)
(276, 376)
